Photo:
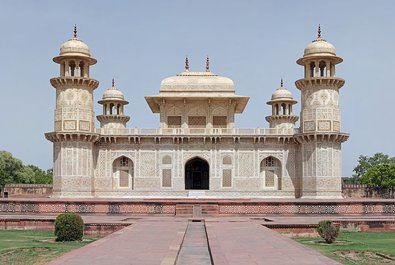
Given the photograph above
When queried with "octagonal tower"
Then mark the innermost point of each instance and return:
(320, 124)
(74, 130)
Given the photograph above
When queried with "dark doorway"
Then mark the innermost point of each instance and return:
(197, 174)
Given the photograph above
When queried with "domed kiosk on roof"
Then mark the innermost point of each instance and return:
(282, 102)
(113, 102)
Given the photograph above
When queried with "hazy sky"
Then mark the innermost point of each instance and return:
(255, 43)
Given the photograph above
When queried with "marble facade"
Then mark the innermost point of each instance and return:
(197, 151)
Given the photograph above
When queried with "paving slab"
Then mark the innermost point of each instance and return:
(143, 243)
(238, 243)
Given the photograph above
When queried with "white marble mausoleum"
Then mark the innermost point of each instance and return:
(197, 149)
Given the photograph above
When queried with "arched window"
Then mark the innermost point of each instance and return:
(312, 69)
(123, 172)
(271, 172)
(284, 109)
(72, 68)
(82, 69)
(111, 108)
(322, 67)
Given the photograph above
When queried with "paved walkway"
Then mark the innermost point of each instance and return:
(143, 243)
(236, 243)
(160, 241)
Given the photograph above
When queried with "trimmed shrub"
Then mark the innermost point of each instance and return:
(69, 227)
(328, 231)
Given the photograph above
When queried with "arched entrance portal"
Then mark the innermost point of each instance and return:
(197, 174)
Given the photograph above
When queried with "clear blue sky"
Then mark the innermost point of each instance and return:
(255, 43)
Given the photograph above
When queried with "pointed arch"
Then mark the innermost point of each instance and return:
(123, 172)
(197, 174)
(270, 170)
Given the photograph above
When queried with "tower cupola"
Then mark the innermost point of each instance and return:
(113, 102)
(282, 101)
(319, 58)
(74, 57)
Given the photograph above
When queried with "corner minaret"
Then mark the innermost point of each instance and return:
(113, 102)
(74, 131)
(282, 102)
(320, 125)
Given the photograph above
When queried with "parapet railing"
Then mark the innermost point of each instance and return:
(196, 131)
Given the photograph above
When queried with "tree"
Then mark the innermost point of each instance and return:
(12, 170)
(365, 162)
(381, 176)
(40, 176)
(9, 168)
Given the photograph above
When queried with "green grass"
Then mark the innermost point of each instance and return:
(19, 247)
(356, 247)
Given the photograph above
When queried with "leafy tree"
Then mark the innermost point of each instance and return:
(9, 168)
(40, 176)
(366, 162)
(381, 176)
(12, 170)
(25, 175)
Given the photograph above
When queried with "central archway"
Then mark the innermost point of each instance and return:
(197, 174)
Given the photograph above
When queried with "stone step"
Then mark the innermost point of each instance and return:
(210, 209)
(184, 209)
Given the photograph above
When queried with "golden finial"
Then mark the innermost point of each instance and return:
(75, 31)
(186, 64)
(281, 83)
(207, 64)
(113, 82)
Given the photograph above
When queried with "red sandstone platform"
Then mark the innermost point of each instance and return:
(173, 207)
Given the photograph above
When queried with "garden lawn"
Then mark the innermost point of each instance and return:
(19, 247)
(357, 247)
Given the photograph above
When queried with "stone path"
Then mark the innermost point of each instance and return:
(236, 243)
(143, 243)
(177, 241)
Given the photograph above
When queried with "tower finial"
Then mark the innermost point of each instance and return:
(319, 31)
(186, 64)
(207, 64)
(113, 82)
(282, 83)
(75, 31)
